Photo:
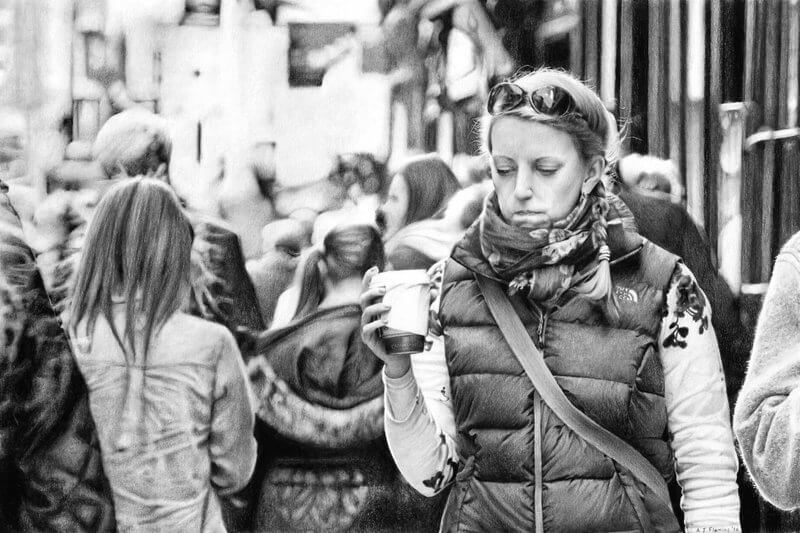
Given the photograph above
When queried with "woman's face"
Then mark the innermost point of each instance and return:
(537, 172)
(393, 211)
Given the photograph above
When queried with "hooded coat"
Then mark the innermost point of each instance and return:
(326, 465)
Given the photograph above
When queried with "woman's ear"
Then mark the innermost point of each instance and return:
(596, 167)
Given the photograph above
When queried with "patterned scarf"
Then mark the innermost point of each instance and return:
(546, 262)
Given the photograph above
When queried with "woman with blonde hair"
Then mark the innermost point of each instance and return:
(578, 373)
(168, 391)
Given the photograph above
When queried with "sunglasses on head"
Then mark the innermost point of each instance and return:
(546, 100)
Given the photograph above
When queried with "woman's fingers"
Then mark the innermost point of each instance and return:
(372, 328)
(373, 312)
(434, 294)
(370, 295)
(367, 279)
(369, 334)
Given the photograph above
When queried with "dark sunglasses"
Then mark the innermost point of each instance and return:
(546, 100)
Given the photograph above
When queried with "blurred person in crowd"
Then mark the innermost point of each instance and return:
(766, 414)
(465, 206)
(433, 239)
(470, 169)
(245, 195)
(619, 322)
(419, 190)
(353, 185)
(169, 390)
(282, 242)
(324, 224)
(670, 226)
(361, 174)
(137, 141)
(325, 464)
(51, 475)
(134, 142)
(651, 175)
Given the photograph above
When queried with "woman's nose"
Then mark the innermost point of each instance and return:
(523, 186)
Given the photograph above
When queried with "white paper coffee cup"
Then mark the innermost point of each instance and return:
(408, 295)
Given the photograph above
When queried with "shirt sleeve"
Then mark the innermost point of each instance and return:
(767, 412)
(697, 409)
(232, 445)
(419, 420)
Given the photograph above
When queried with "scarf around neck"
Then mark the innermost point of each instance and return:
(572, 254)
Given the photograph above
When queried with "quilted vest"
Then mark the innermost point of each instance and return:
(513, 446)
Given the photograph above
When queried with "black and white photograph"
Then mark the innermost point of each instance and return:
(399, 266)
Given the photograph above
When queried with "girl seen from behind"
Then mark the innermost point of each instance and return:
(168, 390)
(327, 466)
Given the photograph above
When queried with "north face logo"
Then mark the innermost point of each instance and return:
(624, 294)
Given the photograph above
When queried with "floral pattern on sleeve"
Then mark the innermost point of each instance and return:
(436, 274)
(687, 308)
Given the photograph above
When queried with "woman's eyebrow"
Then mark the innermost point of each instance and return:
(546, 159)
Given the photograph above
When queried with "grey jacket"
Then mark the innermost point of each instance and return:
(768, 410)
(175, 431)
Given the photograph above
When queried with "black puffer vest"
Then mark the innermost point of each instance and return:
(523, 468)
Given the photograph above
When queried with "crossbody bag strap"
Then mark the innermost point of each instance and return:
(532, 361)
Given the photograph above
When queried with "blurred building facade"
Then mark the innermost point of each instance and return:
(293, 84)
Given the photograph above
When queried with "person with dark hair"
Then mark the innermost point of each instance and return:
(169, 390)
(345, 255)
(418, 191)
(324, 464)
(433, 238)
(574, 371)
(51, 475)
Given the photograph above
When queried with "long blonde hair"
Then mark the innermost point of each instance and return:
(137, 251)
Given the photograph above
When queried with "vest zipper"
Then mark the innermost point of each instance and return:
(538, 517)
(537, 425)
(542, 326)
(543, 316)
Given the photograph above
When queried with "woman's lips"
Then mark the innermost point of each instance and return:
(530, 219)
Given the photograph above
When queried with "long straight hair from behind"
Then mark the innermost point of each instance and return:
(137, 252)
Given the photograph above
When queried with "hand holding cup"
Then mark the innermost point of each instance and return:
(395, 316)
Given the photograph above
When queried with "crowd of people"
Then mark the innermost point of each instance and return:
(154, 378)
